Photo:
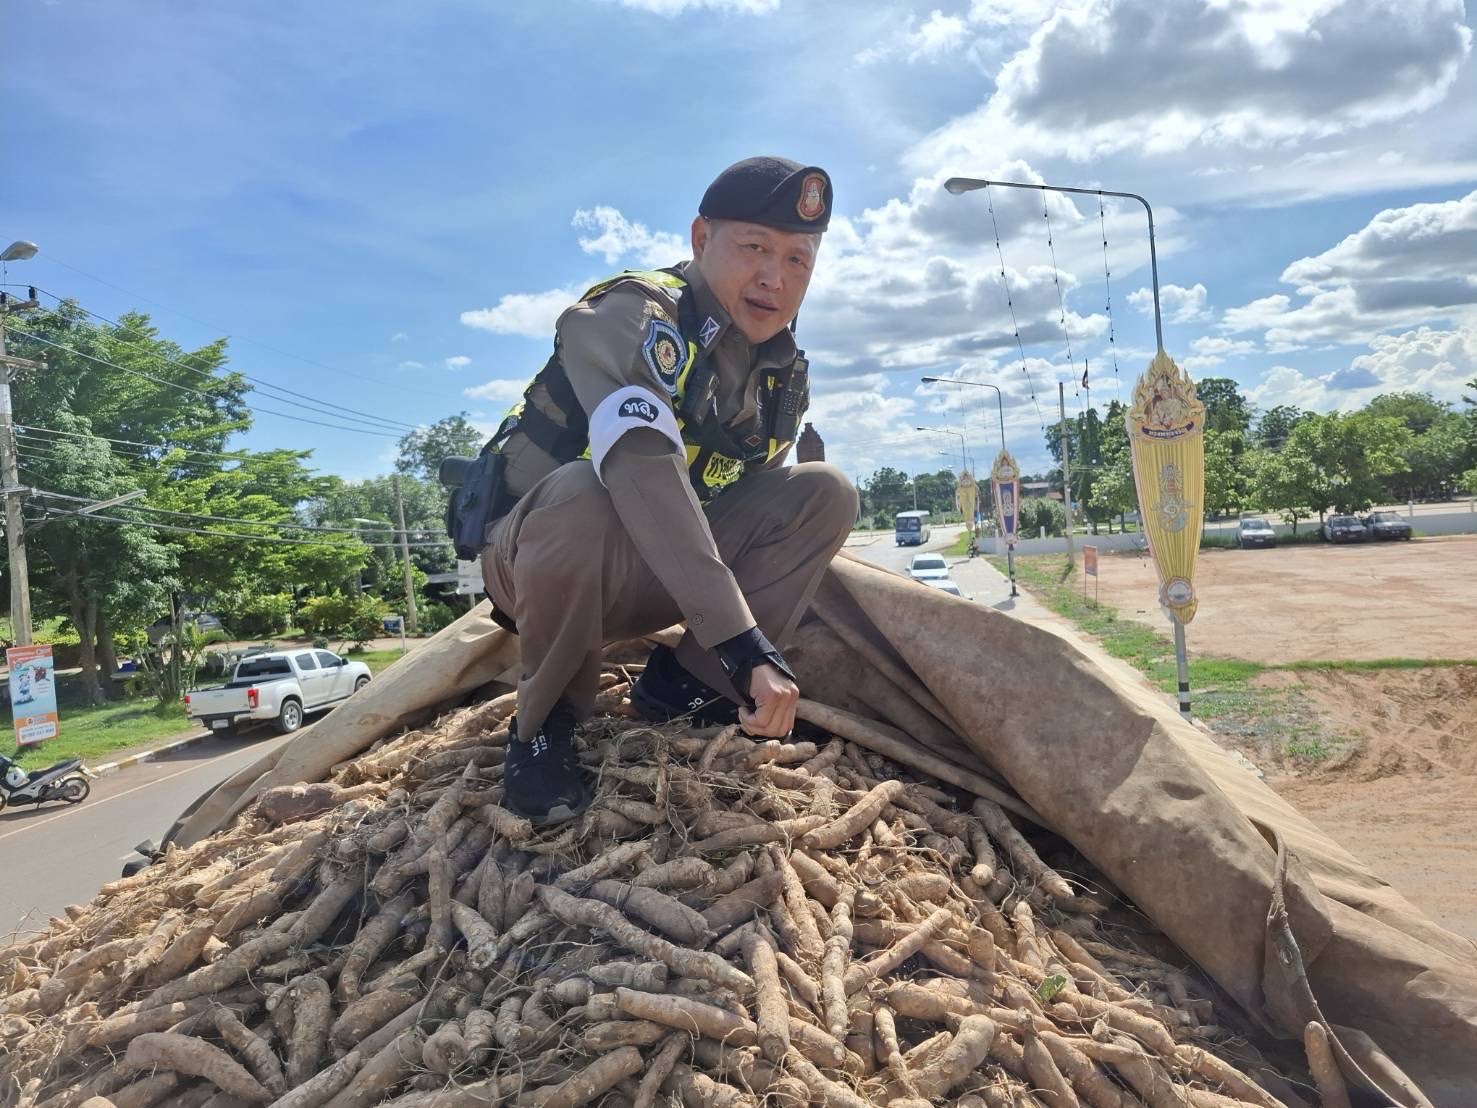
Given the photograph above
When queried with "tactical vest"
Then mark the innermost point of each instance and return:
(715, 456)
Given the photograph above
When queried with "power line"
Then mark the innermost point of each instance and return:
(321, 404)
(203, 517)
(200, 531)
(200, 392)
(29, 430)
(203, 323)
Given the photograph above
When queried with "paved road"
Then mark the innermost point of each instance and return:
(976, 578)
(53, 856)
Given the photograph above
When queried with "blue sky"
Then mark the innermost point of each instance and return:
(384, 206)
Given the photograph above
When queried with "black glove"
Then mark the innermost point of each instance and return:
(739, 655)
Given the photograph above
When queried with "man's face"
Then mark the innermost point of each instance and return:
(757, 273)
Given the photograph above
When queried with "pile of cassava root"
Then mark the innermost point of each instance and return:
(734, 922)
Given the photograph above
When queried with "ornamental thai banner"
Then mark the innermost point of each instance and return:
(966, 493)
(1005, 482)
(1166, 433)
(32, 693)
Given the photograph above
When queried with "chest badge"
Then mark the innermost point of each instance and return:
(662, 352)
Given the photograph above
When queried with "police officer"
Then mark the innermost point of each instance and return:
(644, 468)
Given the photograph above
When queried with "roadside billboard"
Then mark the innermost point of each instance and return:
(32, 693)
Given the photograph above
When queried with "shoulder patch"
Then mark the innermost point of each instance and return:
(662, 350)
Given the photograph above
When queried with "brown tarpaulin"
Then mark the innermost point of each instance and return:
(1193, 837)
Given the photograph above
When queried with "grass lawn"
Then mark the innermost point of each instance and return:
(92, 733)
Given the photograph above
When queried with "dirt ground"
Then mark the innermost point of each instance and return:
(1385, 761)
(1399, 790)
(1359, 602)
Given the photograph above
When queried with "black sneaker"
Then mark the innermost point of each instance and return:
(542, 778)
(665, 691)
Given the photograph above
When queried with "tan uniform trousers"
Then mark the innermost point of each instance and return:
(562, 565)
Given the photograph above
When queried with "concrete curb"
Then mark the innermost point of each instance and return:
(148, 755)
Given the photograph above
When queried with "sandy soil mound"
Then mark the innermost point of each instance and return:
(1400, 792)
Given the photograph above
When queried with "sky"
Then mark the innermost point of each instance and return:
(385, 206)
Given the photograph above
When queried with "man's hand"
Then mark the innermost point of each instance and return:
(775, 697)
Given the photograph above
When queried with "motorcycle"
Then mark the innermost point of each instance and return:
(65, 781)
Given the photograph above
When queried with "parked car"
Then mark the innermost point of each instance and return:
(1255, 532)
(1343, 529)
(928, 567)
(209, 626)
(943, 584)
(282, 686)
(1387, 525)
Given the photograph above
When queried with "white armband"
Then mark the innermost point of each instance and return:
(627, 409)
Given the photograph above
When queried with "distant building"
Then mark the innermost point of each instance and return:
(1040, 489)
(811, 447)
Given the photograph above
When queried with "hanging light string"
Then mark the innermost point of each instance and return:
(1061, 300)
(1010, 303)
(1108, 298)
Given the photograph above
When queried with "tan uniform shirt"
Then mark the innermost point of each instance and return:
(600, 345)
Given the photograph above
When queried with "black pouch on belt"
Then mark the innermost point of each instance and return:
(477, 501)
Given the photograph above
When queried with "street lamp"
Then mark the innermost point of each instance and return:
(999, 397)
(963, 446)
(19, 251)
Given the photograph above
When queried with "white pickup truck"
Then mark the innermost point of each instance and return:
(281, 687)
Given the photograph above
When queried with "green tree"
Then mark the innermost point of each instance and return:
(99, 574)
(1276, 424)
(1280, 483)
(1227, 476)
(1332, 461)
(425, 519)
(1225, 408)
(421, 451)
(1434, 460)
(1112, 483)
(889, 491)
(1416, 410)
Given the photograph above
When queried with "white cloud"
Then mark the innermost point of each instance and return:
(1179, 305)
(1406, 267)
(412, 365)
(532, 314)
(1212, 350)
(1421, 360)
(399, 336)
(935, 38)
(499, 390)
(678, 7)
(619, 239)
(1234, 73)
(458, 361)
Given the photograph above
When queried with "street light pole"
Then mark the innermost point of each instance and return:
(999, 397)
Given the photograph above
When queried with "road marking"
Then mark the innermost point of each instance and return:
(104, 800)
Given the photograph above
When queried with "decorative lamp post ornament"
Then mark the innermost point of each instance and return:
(1005, 483)
(1166, 433)
(967, 494)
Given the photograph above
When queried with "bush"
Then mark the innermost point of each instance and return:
(256, 615)
(1038, 512)
(433, 615)
(358, 619)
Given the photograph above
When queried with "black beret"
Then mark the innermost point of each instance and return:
(776, 192)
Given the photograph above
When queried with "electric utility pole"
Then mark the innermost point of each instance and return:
(410, 616)
(1061, 400)
(15, 524)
